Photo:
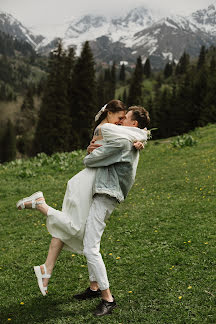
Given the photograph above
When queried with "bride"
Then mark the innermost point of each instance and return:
(67, 227)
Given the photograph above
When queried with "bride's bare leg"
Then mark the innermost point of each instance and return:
(43, 208)
(55, 248)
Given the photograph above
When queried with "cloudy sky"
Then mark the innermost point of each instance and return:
(41, 12)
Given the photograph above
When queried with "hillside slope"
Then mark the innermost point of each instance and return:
(159, 245)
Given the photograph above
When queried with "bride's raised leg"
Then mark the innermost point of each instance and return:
(35, 201)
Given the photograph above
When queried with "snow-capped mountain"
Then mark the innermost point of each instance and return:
(11, 26)
(140, 32)
(166, 40)
(92, 27)
(206, 19)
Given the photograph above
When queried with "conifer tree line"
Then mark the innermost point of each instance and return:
(182, 96)
(69, 102)
(179, 98)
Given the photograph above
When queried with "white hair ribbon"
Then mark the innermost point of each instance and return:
(100, 112)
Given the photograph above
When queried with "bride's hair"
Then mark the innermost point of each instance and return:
(113, 106)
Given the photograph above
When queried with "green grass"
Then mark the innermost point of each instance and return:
(164, 234)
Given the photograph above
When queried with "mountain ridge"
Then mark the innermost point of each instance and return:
(141, 31)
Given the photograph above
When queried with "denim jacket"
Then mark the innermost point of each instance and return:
(117, 163)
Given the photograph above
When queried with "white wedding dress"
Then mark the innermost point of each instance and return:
(69, 224)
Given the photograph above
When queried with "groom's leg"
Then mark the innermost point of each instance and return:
(102, 206)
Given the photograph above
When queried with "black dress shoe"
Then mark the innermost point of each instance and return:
(88, 294)
(105, 308)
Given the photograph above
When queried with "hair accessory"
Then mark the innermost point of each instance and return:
(100, 112)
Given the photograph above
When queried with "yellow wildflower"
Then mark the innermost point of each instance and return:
(110, 253)
(117, 258)
(180, 297)
(189, 287)
(21, 303)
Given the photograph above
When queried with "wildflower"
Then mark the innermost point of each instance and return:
(130, 291)
(156, 231)
(118, 240)
(21, 303)
(73, 255)
(189, 241)
(180, 297)
(117, 258)
(82, 265)
(110, 253)
(189, 287)
(43, 224)
(9, 319)
(206, 243)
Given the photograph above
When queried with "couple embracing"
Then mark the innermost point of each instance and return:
(91, 197)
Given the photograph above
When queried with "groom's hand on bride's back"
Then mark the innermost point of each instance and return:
(92, 146)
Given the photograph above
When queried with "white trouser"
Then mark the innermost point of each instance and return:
(101, 208)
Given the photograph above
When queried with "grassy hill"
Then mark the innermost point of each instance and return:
(159, 245)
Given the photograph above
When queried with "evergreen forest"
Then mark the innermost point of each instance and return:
(56, 98)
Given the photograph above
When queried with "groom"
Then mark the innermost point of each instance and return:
(116, 164)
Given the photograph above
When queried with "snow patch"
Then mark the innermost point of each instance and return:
(168, 56)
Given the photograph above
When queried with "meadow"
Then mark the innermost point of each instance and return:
(159, 245)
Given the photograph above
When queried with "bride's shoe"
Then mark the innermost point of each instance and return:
(40, 278)
(32, 199)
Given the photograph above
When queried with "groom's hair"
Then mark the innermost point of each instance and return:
(141, 115)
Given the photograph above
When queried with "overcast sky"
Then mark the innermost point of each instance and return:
(36, 12)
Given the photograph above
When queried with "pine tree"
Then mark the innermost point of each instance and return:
(147, 68)
(8, 144)
(83, 106)
(164, 113)
(122, 73)
(185, 110)
(168, 70)
(135, 90)
(26, 120)
(183, 63)
(199, 94)
(124, 98)
(53, 129)
(212, 64)
(202, 58)
(113, 80)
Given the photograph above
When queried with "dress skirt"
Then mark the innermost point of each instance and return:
(69, 224)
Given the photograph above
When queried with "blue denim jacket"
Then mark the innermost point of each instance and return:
(117, 163)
